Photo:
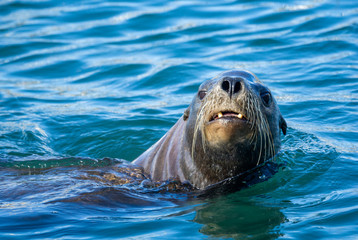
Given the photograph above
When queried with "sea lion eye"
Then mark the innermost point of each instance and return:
(201, 94)
(266, 98)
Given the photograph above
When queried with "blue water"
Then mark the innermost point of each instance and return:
(86, 83)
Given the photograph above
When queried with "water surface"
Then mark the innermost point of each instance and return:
(86, 83)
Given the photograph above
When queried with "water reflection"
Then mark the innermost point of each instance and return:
(239, 218)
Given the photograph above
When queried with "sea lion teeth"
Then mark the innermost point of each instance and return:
(239, 115)
(220, 115)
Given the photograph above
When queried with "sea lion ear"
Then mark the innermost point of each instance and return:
(186, 114)
(283, 125)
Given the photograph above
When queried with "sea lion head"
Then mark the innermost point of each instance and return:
(233, 124)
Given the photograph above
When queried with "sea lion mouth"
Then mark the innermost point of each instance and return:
(228, 115)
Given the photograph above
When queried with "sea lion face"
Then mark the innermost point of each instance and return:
(233, 124)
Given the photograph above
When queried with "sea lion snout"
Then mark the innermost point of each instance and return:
(228, 123)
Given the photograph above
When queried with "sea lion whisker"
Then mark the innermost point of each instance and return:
(258, 160)
(272, 143)
(198, 125)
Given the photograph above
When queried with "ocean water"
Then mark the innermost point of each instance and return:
(84, 84)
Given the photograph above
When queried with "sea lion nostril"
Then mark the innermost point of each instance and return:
(237, 87)
(226, 86)
(232, 85)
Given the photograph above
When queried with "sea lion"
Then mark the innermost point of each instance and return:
(232, 125)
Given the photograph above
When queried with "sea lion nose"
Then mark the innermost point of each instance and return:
(232, 85)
